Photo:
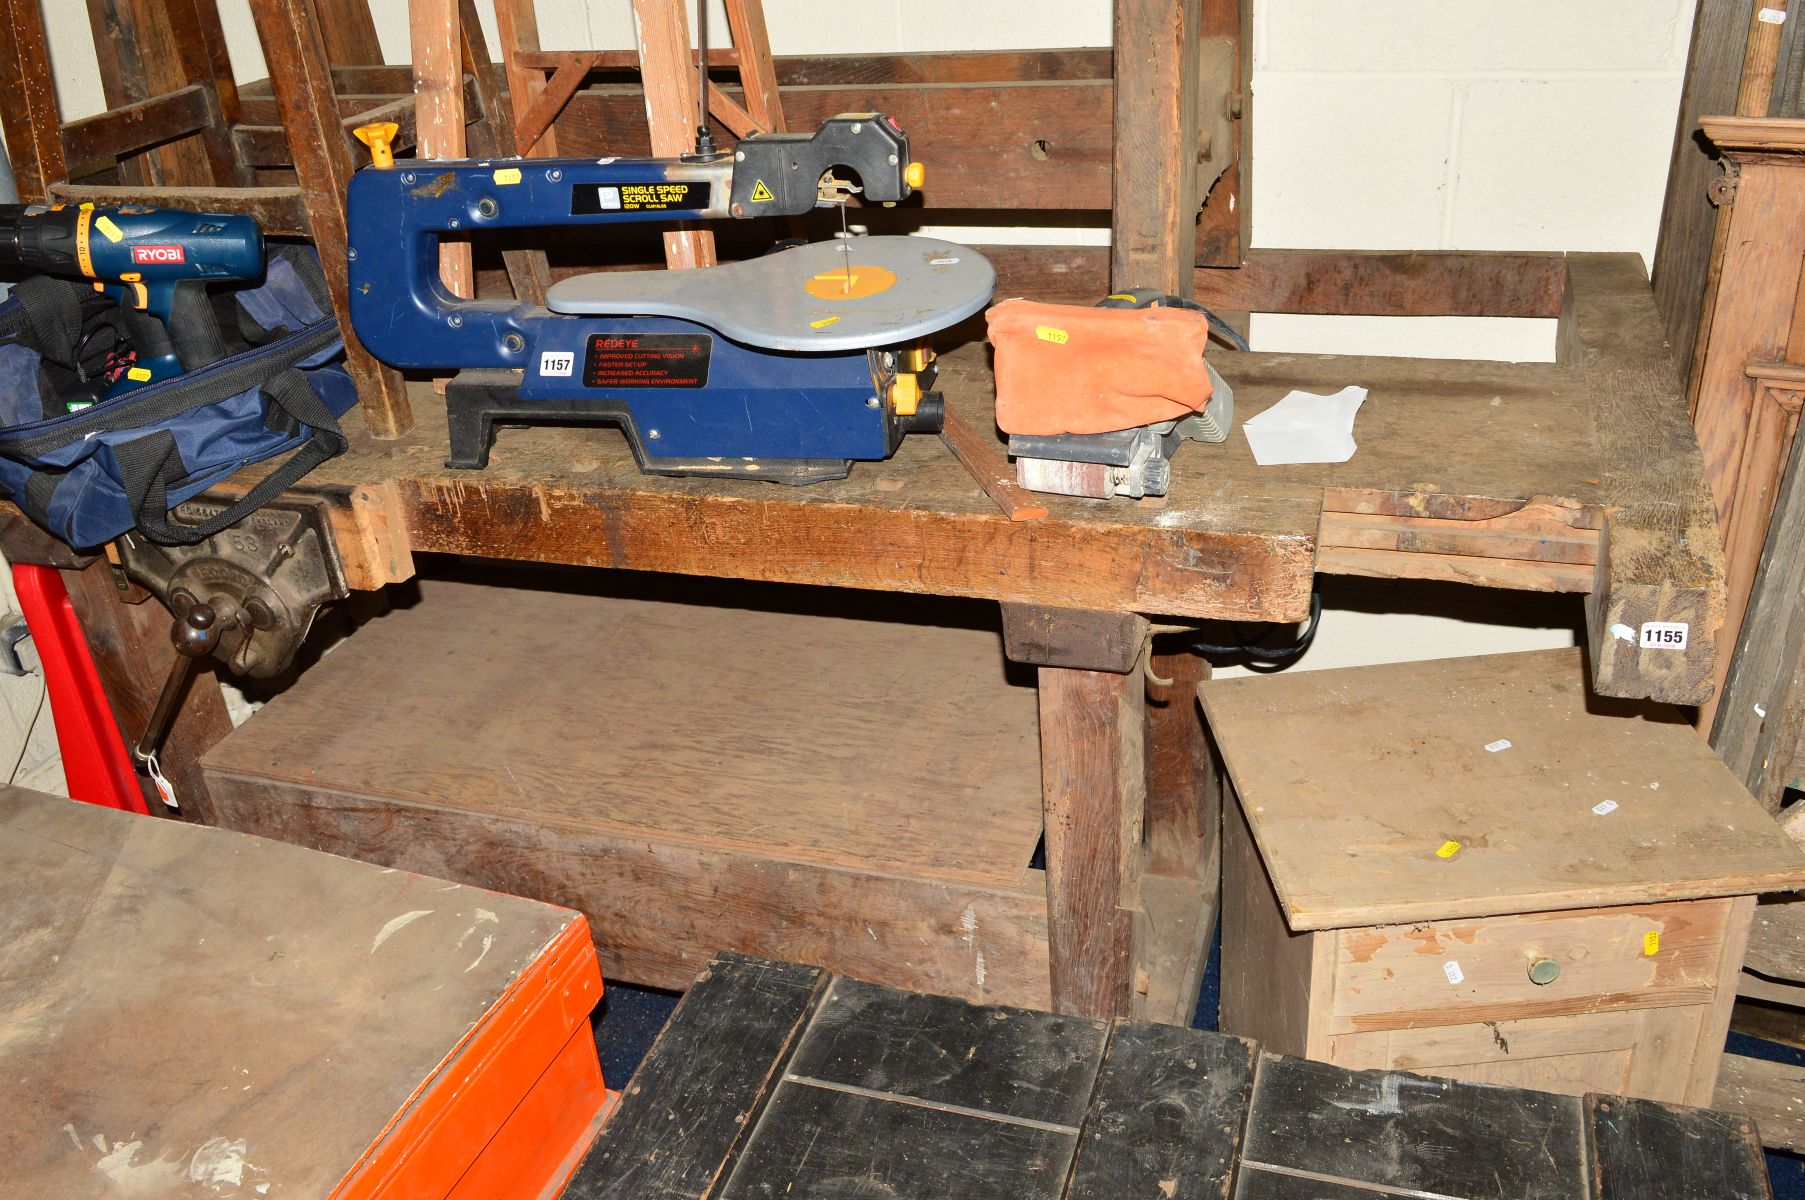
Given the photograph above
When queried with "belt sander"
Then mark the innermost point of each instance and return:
(1096, 400)
(787, 367)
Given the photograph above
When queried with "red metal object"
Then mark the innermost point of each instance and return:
(95, 762)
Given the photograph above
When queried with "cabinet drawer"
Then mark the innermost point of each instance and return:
(1590, 960)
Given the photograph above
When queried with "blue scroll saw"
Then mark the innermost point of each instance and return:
(787, 367)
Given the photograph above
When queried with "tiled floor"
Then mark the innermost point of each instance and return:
(631, 1018)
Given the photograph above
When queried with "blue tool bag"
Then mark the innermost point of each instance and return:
(123, 463)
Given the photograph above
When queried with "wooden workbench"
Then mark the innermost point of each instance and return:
(1578, 476)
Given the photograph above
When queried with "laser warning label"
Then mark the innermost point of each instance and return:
(591, 198)
(640, 360)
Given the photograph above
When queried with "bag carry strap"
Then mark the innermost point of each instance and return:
(151, 465)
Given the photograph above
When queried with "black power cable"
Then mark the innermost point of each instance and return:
(1249, 647)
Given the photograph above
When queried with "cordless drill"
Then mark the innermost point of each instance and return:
(155, 262)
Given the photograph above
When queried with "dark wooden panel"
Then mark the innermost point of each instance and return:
(1662, 558)
(1167, 1115)
(95, 143)
(1645, 1150)
(1394, 1129)
(1073, 637)
(985, 145)
(955, 66)
(1154, 219)
(277, 209)
(815, 1143)
(1688, 220)
(1014, 1062)
(1760, 727)
(699, 1088)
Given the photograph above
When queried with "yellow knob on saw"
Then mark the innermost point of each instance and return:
(915, 174)
(377, 135)
(905, 395)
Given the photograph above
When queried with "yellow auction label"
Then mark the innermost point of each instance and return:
(1047, 333)
(105, 224)
(1651, 942)
(823, 323)
(1448, 849)
(137, 374)
(761, 193)
(507, 175)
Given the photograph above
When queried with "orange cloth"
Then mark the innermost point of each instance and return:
(1062, 368)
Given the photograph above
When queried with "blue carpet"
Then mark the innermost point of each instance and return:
(630, 1017)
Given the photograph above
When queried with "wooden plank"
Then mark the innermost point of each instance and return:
(1068, 637)
(1645, 1150)
(797, 747)
(301, 75)
(1777, 939)
(436, 36)
(353, 1011)
(1153, 223)
(1683, 252)
(713, 1063)
(1225, 97)
(491, 135)
(1172, 936)
(758, 74)
(1392, 976)
(279, 210)
(1030, 1067)
(945, 66)
(1770, 1094)
(350, 33)
(1166, 1117)
(1390, 283)
(132, 653)
(1390, 1129)
(1093, 787)
(1271, 976)
(1360, 848)
(517, 25)
(1662, 560)
(28, 106)
(672, 110)
(1760, 725)
(984, 457)
(1184, 792)
(147, 48)
(659, 908)
(94, 144)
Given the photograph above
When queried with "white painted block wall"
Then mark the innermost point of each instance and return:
(1378, 124)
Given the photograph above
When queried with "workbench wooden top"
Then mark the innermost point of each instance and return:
(1578, 476)
(1472, 787)
(183, 1009)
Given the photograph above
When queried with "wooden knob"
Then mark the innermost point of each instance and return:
(1544, 971)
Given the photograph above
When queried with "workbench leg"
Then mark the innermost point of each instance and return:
(1184, 794)
(1093, 786)
(133, 654)
(1093, 773)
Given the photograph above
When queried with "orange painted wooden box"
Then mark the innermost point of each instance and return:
(193, 1012)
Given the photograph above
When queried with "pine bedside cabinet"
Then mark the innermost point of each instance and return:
(1472, 868)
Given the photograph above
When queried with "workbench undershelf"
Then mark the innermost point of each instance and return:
(1576, 476)
(851, 789)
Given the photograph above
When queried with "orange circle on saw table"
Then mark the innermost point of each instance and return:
(850, 283)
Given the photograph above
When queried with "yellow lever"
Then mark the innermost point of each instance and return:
(915, 175)
(377, 135)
